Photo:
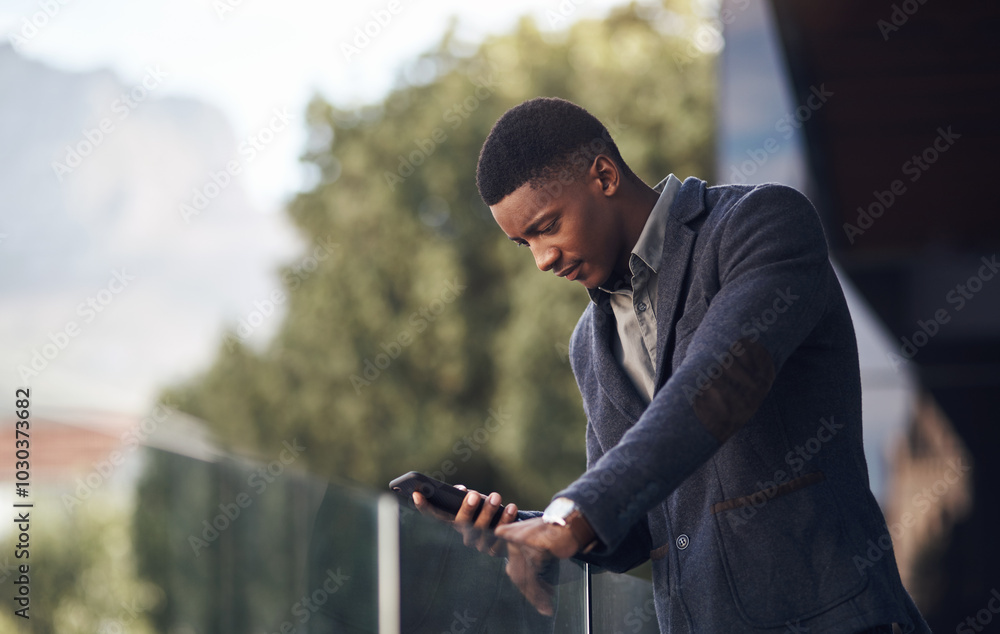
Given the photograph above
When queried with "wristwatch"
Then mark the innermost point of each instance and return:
(565, 512)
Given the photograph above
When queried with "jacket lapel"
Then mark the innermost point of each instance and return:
(677, 248)
(678, 243)
(614, 382)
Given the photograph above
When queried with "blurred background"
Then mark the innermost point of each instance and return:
(243, 233)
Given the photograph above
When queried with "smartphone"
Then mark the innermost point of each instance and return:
(441, 494)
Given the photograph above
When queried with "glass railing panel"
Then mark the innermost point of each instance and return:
(231, 546)
(622, 604)
(343, 551)
(239, 546)
(448, 587)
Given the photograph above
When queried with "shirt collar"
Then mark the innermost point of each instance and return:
(649, 246)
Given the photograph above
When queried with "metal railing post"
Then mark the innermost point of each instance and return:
(388, 565)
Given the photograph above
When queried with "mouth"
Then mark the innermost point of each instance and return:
(570, 272)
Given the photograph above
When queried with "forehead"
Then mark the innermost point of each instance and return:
(518, 207)
(525, 204)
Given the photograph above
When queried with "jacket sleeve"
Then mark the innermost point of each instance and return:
(773, 274)
(635, 546)
(633, 549)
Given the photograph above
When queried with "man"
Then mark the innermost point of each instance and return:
(719, 373)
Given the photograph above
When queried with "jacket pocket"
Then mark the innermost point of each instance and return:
(786, 552)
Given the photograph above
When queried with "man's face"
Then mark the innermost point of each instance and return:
(574, 233)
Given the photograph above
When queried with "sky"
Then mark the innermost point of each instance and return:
(248, 57)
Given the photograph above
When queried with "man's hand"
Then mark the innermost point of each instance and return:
(475, 531)
(530, 544)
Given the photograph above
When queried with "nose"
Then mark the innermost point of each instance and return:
(545, 256)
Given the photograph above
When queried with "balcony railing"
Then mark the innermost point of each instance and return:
(244, 547)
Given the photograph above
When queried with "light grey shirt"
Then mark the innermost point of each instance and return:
(634, 305)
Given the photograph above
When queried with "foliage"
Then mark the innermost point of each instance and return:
(397, 196)
(82, 571)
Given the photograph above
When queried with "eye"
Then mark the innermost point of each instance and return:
(549, 229)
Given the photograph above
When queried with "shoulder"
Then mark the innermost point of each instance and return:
(582, 331)
(725, 199)
(778, 209)
(581, 341)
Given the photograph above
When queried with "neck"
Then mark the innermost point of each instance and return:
(635, 209)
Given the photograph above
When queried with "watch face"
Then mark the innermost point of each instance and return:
(559, 509)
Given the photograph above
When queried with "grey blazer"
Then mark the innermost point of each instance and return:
(744, 480)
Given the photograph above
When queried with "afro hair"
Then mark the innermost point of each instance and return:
(537, 141)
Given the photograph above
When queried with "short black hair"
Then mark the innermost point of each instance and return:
(537, 141)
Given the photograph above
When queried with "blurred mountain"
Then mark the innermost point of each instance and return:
(93, 174)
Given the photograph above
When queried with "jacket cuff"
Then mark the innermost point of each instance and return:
(527, 515)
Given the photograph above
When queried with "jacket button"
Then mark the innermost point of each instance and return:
(641, 307)
(682, 541)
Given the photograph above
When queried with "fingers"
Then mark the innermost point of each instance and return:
(475, 518)
(490, 507)
(467, 514)
(498, 546)
(524, 565)
(465, 517)
(509, 515)
(487, 542)
(428, 509)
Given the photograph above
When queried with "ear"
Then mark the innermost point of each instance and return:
(605, 175)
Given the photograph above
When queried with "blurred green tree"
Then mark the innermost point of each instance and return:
(82, 569)
(416, 335)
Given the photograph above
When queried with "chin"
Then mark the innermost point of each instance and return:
(595, 280)
(589, 283)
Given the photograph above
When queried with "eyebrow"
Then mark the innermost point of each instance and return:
(533, 225)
